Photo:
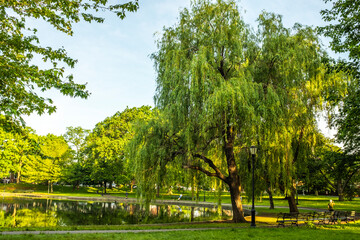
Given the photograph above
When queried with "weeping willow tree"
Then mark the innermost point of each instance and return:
(222, 88)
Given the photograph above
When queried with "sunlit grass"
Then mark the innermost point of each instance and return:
(348, 232)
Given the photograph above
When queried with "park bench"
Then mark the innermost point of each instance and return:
(287, 218)
(351, 216)
(327, 217)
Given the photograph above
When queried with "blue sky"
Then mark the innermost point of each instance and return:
(113, 57)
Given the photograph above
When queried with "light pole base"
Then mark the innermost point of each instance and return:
(253, 218)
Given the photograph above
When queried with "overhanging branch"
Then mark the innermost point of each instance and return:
(208, 173)
(211, 164)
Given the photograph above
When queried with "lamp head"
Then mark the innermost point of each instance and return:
(253, 150)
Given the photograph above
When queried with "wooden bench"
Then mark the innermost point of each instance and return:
(287, 218)
(351, 216)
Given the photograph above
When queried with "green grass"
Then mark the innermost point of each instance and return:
(349, 232)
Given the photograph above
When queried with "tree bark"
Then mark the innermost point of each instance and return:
(233, 180)
(291, 201)
(238, 214)
(271, 200)
(340, 191)
(158, 190)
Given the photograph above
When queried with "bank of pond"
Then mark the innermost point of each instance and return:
(32, 212)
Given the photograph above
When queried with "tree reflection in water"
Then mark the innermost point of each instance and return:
(26, 212)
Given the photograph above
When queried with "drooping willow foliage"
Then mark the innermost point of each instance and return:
(222, 87)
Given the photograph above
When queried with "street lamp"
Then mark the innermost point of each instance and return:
(297, 195)
(253, 153)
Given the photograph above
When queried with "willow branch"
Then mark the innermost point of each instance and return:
(208, 173)
(212, 165)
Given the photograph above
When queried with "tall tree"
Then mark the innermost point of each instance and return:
(21, 80)
(222, 88)
(343, 29)
(107, 142)
(47, 166)
(336, 167)
(76, 138)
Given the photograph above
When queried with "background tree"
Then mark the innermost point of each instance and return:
(337, 168)
(48, 164)
(21, 80)
(107, 142)
(78, 170)
(343, 18)
(76, 138)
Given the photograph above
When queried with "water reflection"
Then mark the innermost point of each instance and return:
(25, 212)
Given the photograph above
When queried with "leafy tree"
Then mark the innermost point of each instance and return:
(337, 168)
(17, 143)
(48, 164)
(221, 88)
(77, 171)
(21, 80)
(107, 142)
(343, 27)
(76, 137)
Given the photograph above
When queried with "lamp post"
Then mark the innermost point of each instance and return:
(253, 153)
(297, 195)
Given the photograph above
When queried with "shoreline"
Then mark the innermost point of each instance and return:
(110, 198)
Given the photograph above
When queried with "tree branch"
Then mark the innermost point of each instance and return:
(210, 174)
(211, 164)
(327, 179)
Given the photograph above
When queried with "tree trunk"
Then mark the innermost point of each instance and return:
(271, 200)
(238, 214)
(340, 191)
(19, 172)
(18, 177)
(291, 201)
(233, 180)
(158, 190)
(51, 187)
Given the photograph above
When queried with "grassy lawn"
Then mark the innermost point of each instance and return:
(349, 232)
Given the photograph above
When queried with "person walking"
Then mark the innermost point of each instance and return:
(331, 205)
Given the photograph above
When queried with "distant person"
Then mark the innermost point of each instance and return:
(180, 197)
(331, 205)
(126, 194)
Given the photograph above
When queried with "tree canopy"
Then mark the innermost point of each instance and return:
(21, 80)
(343, 27)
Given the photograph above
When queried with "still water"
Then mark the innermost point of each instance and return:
(27, 212)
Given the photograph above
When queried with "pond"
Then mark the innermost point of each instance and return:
(27, 212)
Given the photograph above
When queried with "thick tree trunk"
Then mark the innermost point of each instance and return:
(233, 180)
(238, 214)
(340, 191)
(291, 201)
(271, 200)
